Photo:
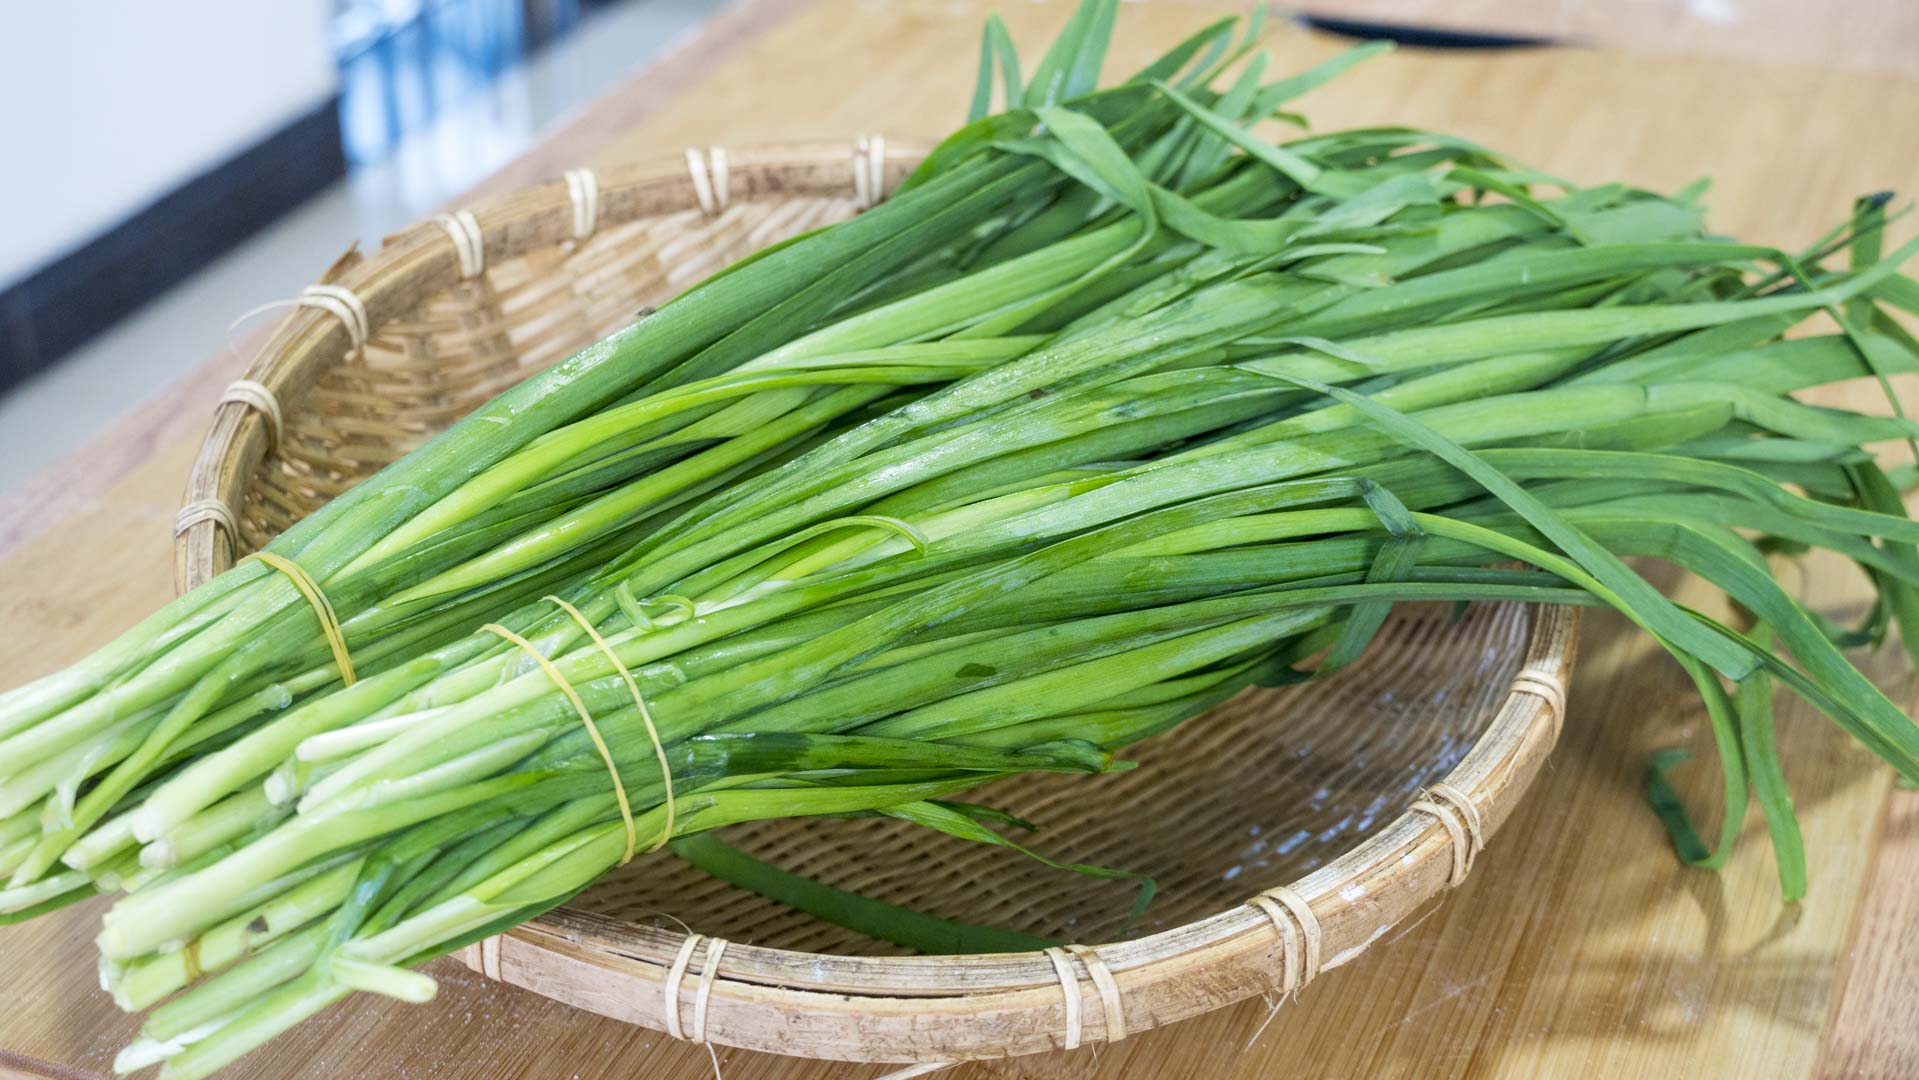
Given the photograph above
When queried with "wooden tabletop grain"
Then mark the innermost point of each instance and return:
(1578, 947)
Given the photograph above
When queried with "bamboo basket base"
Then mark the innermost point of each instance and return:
(1287, 830)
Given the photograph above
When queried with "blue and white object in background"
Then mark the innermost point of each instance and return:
(405, 63)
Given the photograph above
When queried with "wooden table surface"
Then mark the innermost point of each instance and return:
(1577, 948)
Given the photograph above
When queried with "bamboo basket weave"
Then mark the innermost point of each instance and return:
(1311, 820)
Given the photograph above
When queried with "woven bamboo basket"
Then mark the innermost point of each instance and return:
(1311, 820)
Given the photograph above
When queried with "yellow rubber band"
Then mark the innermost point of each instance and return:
(322, 609)
(592, 729)
(646, 717)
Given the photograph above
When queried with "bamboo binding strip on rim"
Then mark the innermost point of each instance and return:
(1315, 818)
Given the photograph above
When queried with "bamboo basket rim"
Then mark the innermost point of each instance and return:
(862, 1008)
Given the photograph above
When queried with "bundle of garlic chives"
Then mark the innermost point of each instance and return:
(544, 479)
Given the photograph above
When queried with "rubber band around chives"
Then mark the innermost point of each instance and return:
(322, 609)
(190, 960)
(586, 718)
(646, 718)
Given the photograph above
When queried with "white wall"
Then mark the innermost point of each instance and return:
(107, 104)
